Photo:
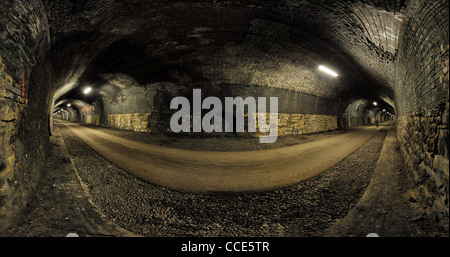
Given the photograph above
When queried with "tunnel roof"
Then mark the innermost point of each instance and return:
(266, 43)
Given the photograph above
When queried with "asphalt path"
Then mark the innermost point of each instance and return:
(212, 171)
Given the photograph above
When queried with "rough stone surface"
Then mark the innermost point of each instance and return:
(24, 131)
(425, 147)
(135, 121)
(298, 124)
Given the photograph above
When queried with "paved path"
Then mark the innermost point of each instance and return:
(205, 171)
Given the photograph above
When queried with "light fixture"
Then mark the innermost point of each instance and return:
(384, 110)
(87, 90)
(375, 103)
(328, 71)
(68, 105)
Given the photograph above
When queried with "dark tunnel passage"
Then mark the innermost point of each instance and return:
(134, 100)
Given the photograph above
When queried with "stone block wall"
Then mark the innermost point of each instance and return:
(298, 124)
(288, 124)
(425, 147)
(93, 119)
(8, 128)
(295, 124)
(24, 128)
(130, 121)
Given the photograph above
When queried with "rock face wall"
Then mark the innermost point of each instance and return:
(422, 103)
(8, 129)
(24, 128)
(425, 147)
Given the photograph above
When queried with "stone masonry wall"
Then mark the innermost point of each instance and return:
(131, 121)
(24, 131)
(425, 147)
(298, 124)
(422, 97)
(288, 124)
(10, 113)
(293, 124)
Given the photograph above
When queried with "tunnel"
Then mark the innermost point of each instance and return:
(224, 118)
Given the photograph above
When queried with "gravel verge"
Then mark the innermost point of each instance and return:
(304, 209)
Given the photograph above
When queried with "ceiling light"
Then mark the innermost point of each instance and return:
(375, 103)
(68, 105)
(384, 110)
(87, 90)
(328, 71)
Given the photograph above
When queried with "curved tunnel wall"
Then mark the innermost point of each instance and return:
(141, 108)
(422, 101)
(145, 108)
(24, 128)
(356, 114)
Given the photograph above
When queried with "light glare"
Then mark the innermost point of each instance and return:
(328, 71)
(375, 103)
(87, 90)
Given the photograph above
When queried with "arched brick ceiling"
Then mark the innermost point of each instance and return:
(273, 43)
